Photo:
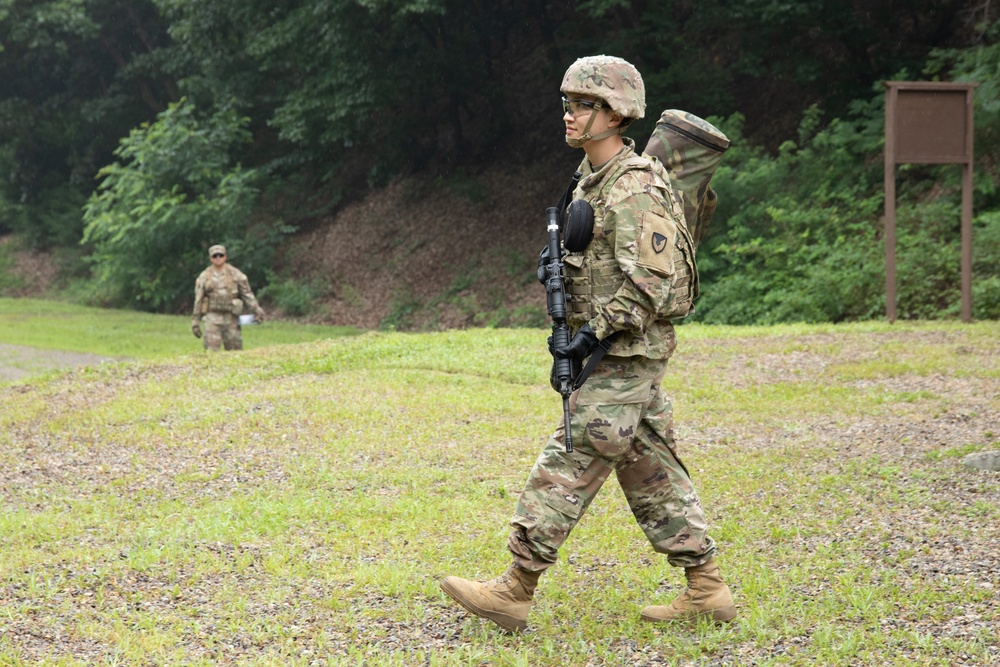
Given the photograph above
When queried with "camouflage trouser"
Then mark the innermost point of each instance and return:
(621, 421)
(221, 329)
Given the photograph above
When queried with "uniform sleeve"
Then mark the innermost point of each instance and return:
(633, 306)
(245, 293)
(199, 296)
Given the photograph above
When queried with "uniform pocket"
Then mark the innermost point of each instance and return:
(563, 501)
(607, 414)
(548, 514)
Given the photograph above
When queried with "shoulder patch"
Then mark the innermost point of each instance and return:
(659, 242)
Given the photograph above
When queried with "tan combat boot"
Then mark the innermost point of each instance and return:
(505, 600)
(706, 596)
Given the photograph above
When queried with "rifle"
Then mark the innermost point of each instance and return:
(567, 375)
(555, 296)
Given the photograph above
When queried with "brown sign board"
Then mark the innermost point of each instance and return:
(928, 122)
(931, 127)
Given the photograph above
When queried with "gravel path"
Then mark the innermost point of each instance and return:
(18, 361)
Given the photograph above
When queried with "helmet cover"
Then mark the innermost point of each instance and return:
(614, 80)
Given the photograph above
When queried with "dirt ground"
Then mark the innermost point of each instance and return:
(428, 254)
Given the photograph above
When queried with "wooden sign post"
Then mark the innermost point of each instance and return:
(928, 123)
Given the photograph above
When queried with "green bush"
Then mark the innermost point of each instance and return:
(296, 297)
(794, 234)
(9, 281)
(173, 192)
(985, 263)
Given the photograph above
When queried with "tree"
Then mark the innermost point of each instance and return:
(173, 192)
(75, 75)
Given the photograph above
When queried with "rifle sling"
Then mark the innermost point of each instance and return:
(565, 199)
(595, 358)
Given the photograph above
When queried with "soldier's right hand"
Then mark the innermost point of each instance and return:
(580, 346)
(196, 329)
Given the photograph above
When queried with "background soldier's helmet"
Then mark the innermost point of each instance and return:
(216, 248)
(612, 79)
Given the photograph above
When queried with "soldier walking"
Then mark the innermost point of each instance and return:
(221, 294)
(621, 421)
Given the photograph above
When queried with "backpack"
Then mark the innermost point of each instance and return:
(691, 149)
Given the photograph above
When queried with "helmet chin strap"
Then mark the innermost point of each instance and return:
(578, 142)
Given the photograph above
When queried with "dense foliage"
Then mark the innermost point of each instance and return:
(312, 102)
(800, 237)
(153, 215)
(800, 233)
(75, 76)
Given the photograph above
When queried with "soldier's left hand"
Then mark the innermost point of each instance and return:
(260, 314)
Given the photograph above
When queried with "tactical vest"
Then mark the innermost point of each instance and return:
(594, 275)
(220, 298)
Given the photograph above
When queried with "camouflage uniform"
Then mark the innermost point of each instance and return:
(220, 296)
(621, 419)
(634, 274)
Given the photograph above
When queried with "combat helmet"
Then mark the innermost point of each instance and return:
(612, 79)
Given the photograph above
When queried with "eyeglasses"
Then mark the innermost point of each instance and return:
(577, 107)
(218, 254)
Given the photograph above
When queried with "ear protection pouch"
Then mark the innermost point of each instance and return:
(579, 226)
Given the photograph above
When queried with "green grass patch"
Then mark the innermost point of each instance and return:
(124, 333)
(297, 504)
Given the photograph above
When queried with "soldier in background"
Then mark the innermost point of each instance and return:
(221, 294)
(617, 288)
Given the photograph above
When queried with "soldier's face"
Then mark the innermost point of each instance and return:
(218, 259)
(578, 113)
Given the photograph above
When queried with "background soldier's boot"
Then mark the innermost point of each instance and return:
(505, 600)
(706, 596)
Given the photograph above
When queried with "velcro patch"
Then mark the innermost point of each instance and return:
(657, 244)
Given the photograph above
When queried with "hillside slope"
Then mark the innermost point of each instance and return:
(425, 252)
(428, 253)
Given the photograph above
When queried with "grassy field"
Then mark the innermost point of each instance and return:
(296, 504)
(131, 334)
(38, 336)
